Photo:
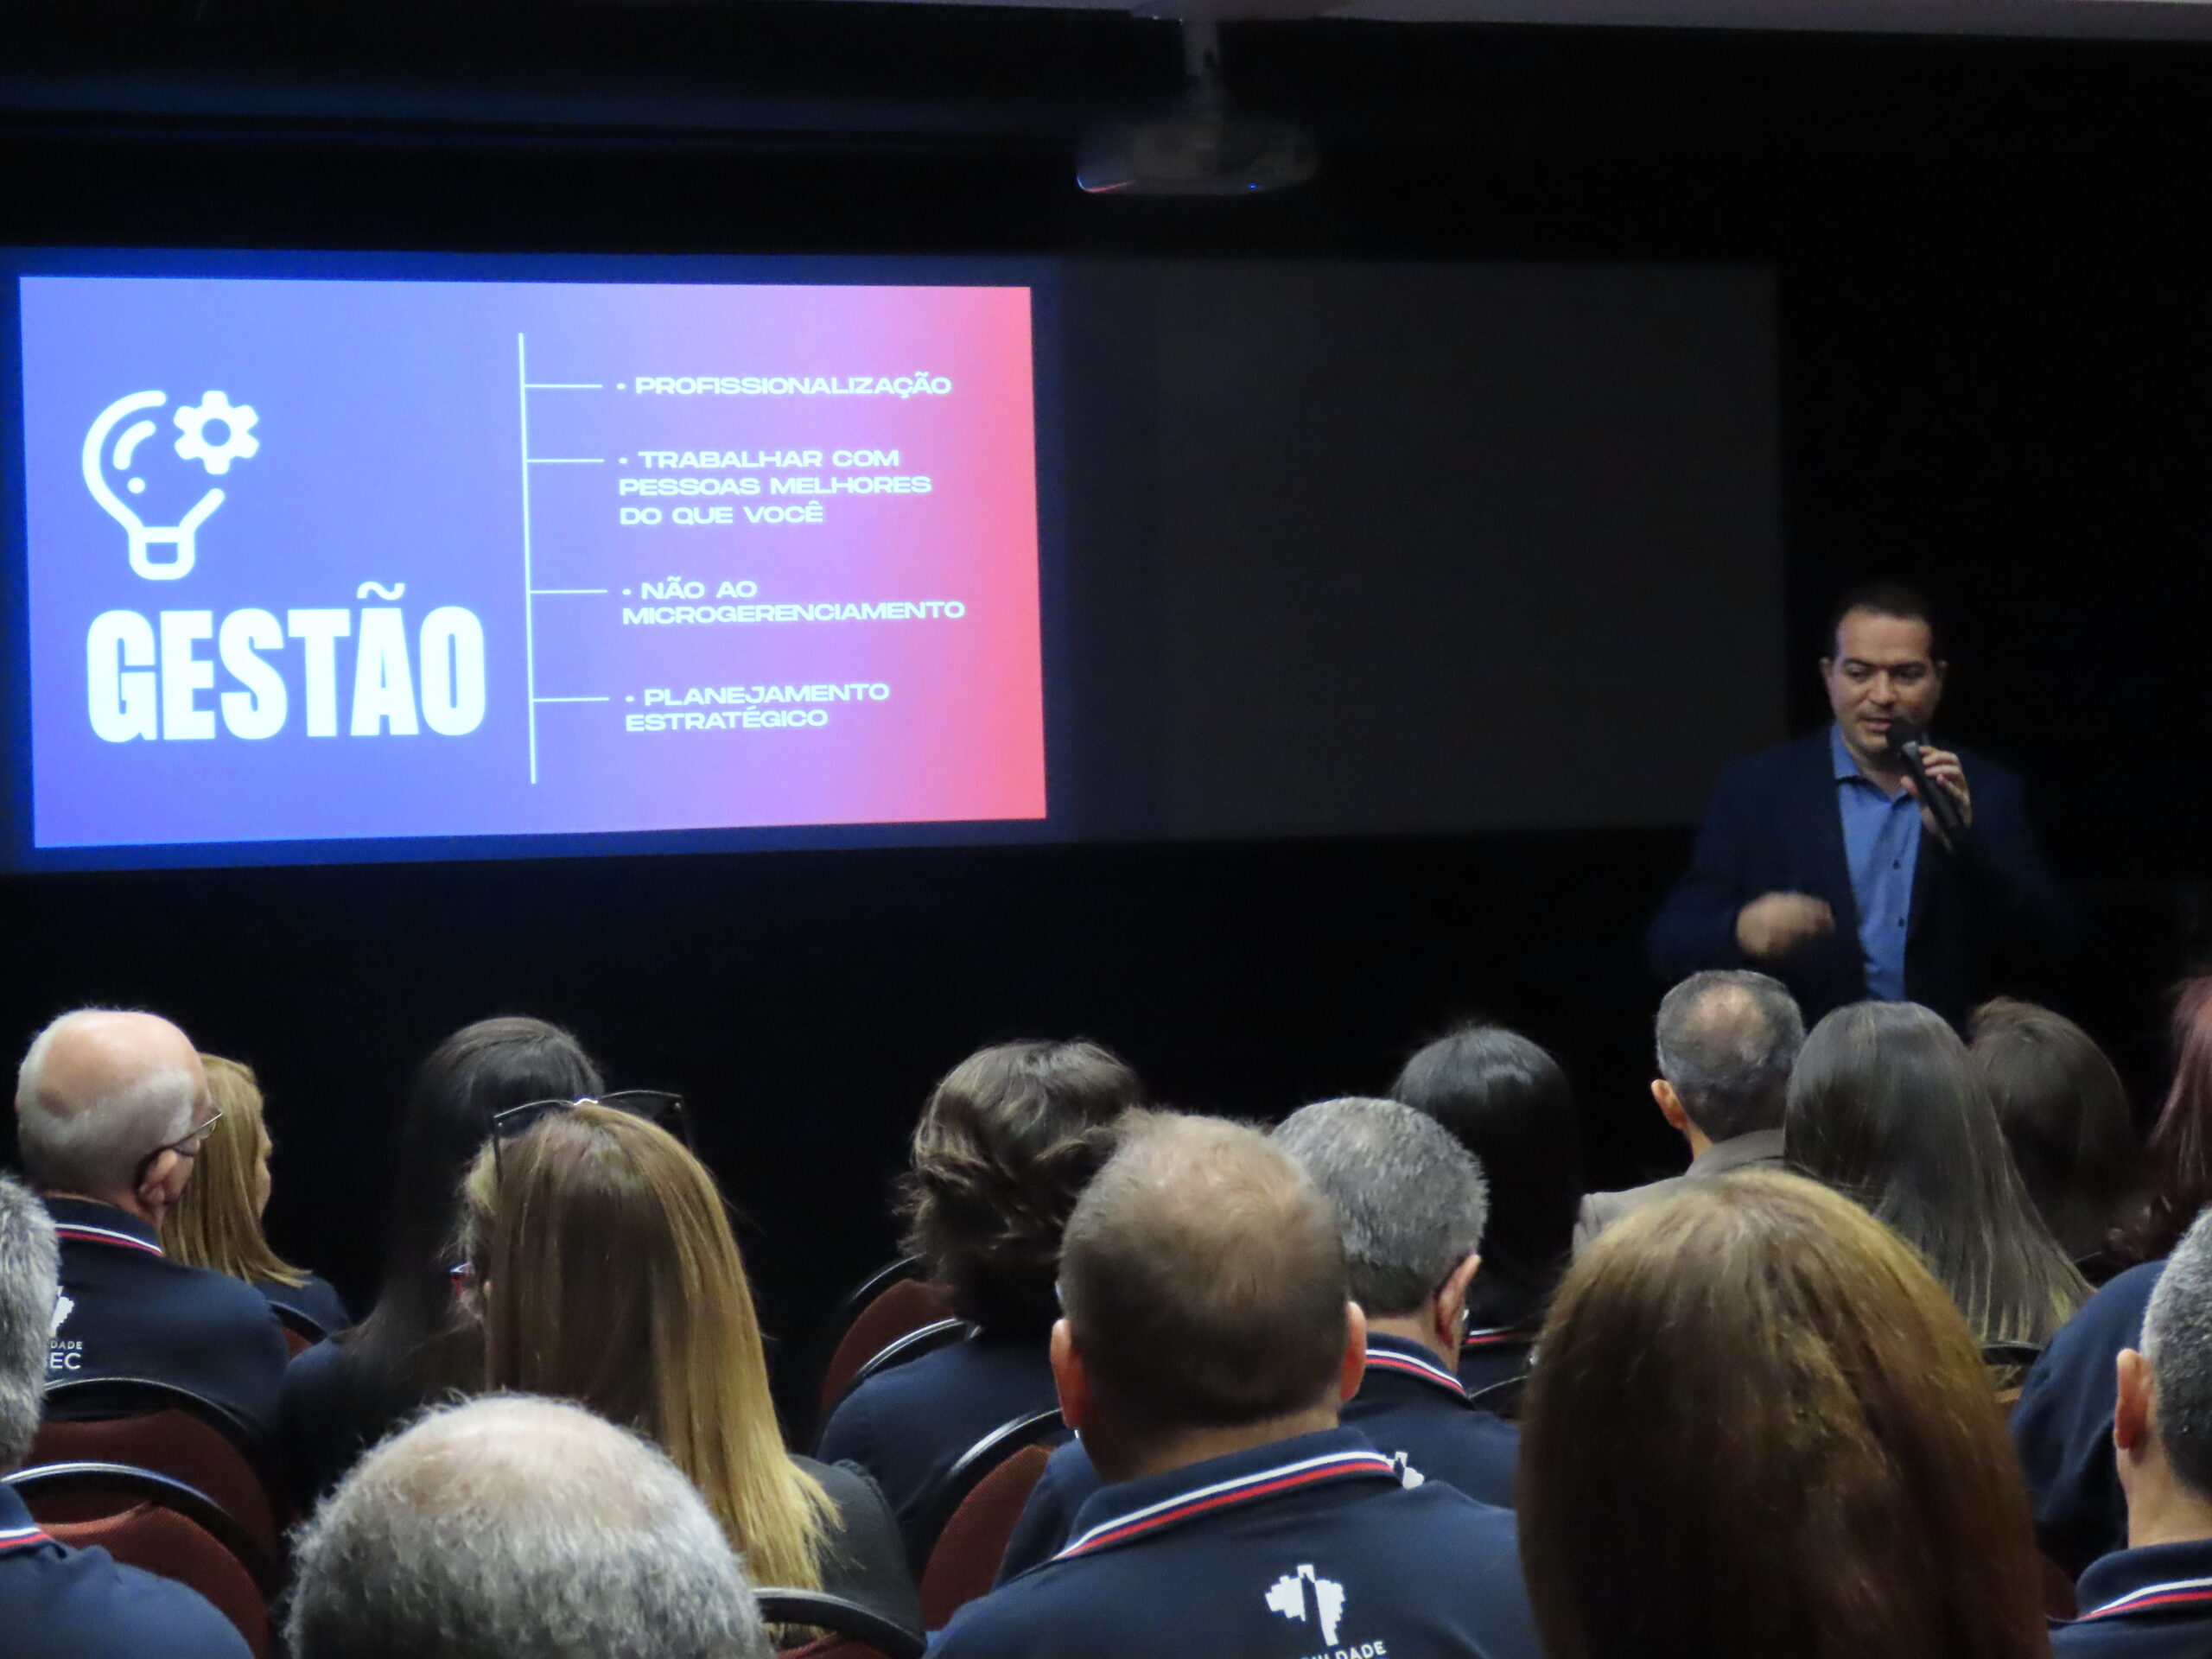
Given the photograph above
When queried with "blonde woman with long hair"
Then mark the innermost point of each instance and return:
(217, 1224)
(603, 1261)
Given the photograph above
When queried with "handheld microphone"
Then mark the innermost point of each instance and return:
(1907, 739)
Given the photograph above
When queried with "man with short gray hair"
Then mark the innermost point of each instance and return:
(57, 1602)
(514, 1527)
(1727, 1040)
(2153, 1599)
(111, 1108)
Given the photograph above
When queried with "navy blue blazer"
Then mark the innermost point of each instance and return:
(1308, 1545)
(1775, 827)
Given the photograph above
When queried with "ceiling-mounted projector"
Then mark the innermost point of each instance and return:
(1197, 149)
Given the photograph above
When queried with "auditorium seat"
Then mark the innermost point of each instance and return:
(852, 1632)
(1491, 1356)
(1502, 1398)
(939, 1334)
(161, 1526)
(301, 1332)
(889, 1304)
(972, 1511)
(170, 1430)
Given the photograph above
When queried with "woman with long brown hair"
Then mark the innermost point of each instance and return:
(607, 1274)
(1758, 1427)
(217, 1223)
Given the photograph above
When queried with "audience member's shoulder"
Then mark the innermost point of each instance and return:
(59, 1603)
(2113, 1316)
(314, 1298)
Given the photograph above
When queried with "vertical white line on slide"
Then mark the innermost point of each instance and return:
(528, 632)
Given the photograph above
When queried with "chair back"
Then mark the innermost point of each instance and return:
(968, 1516)
(939, 1334)
(1502, 1398)
(170, 1430)
(892, 1301)
(160, 1526)
(301, 1332)
(852, 1631)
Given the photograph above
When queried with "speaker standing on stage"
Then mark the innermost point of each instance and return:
(1820, 864)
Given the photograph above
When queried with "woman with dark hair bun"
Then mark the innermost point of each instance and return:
(1885, 1108)
(2066, 1117)
(2180, 1145)
(1509, 1105)
(343, 1395)
(1009, 1140)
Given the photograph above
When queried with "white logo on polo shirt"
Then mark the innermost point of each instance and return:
(63, 1307)
(1307, 1598)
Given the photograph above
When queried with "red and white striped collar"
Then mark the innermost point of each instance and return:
(2179, 1593)
(1408, 1362)
(1344, 1463)
(15, 1538)
(80, 1233)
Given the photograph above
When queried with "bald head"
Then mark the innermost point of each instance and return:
(98, 1091)
(1203, 1278)
(1727, 1042)
(522, 1528)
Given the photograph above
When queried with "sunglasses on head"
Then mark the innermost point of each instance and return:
(656, 1106)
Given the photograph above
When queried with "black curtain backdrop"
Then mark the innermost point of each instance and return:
(1992, 267)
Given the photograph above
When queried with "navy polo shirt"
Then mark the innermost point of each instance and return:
(2153, 1603)
(59, 1603)
(2061, 1425)
(910, 1425)
(1407, 1404)
(127, 1311)
(1310, 1545)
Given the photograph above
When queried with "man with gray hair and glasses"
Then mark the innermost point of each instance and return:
(56, 1602)
(514, 1527)
(1727, 1040)
(2153, 1599)
(111, 1108)
(1410, 1203)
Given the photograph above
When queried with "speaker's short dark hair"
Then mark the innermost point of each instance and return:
(1895, 598)
(1204, 1278)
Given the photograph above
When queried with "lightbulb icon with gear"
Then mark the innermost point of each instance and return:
(236, 442)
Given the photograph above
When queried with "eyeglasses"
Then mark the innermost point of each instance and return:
(186, 1146)
(656, 1106)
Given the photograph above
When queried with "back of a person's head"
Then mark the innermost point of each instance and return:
(404, 1352)
(610, 1277)
(1758, 1427)
(29, 1277)
(217, 1223)
(98, 1091)
(1885, 1108)
(2180, 1143)
(1509, 1105)
(519, 1529)
(2178, 1344)
(2066, 1118)
(1408, 1197)
(1007, 1141)
(1203, 1278)
(1726, 1041)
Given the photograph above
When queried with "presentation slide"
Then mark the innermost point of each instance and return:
(335, 560)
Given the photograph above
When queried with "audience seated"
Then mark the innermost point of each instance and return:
(1410, 1203)
(1885, 1108)
(1760, 1428)
(1005, 1146)
(2153, 1598)
(342, 1396)
(2180, 1143)
(112, 1109)
(2066, 1117)
(608, 1275)
(1206, 1344)
(1726, 1040)
(1509, 1102)
(55, 1602)
(519, 1529)
(217, 1223)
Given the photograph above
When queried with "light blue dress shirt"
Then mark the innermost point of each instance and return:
(1881, 843)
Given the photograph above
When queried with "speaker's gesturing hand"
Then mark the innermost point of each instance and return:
(1776, 925)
